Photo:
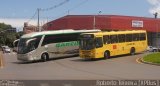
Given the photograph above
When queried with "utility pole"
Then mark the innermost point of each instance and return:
(94, 22)
(38, 20)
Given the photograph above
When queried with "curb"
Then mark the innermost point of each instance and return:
(142, 61)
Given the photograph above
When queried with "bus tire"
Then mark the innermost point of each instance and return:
(106, 55)
(44, 57)
(132, 51)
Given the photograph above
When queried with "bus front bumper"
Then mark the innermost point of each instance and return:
(87, 54)
(25, 57)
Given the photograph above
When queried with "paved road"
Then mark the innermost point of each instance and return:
(121, 67)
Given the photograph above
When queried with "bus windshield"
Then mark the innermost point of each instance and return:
(87, 44)
(27, 44)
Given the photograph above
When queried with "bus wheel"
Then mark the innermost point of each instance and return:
(44, 57)
(132, 51)
(106, 55)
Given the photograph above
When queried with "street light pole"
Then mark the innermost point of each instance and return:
(94, 20)
(155, 15)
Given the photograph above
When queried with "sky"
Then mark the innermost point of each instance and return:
(16, 12)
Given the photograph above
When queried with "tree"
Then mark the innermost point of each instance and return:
(4, 27)
(19, 34)
(7, 38)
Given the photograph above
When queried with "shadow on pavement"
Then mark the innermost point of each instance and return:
(40, 61)
(99, 59)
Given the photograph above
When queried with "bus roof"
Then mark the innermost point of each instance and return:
(117, 32)
(57, 32)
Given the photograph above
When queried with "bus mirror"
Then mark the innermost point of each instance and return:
(15, 43)
(30, 41)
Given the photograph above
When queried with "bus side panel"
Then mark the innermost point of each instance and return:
(52, 50)
(108, 47)
(67, 48)
(141, 46)
(59, 49)
(119, 48)
(99, 53)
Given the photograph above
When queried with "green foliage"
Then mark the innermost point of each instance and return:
(153, 58)
(19, 34)
(7, 38)
(4, 26)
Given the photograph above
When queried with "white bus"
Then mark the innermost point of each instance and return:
(49, 44)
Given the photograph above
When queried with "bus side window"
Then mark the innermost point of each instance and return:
(32, 45)
(98, 42)
(128, 37)
(38, 39)
(114, 39)
(48, 39)
(142, 36)
(135, 37)
(106, 39)
(121, 38)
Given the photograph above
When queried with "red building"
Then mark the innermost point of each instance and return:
(107, 22)
(104, 22)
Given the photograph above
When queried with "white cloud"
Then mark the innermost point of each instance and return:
(155, 6)
(17, 23)
(154, 2)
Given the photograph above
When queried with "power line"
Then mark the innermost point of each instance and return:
(32, 16)
(53, 7)
(78, 5)
(47, 9)
(83, 2)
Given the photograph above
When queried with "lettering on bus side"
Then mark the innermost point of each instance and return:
(66, 44)
(131, 44)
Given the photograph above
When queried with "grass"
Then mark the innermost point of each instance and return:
(153, 58)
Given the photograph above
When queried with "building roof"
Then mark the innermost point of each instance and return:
(105, 22)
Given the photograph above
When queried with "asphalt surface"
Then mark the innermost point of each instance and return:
(74, 68)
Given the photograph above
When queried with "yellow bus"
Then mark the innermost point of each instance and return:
(107, 44)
